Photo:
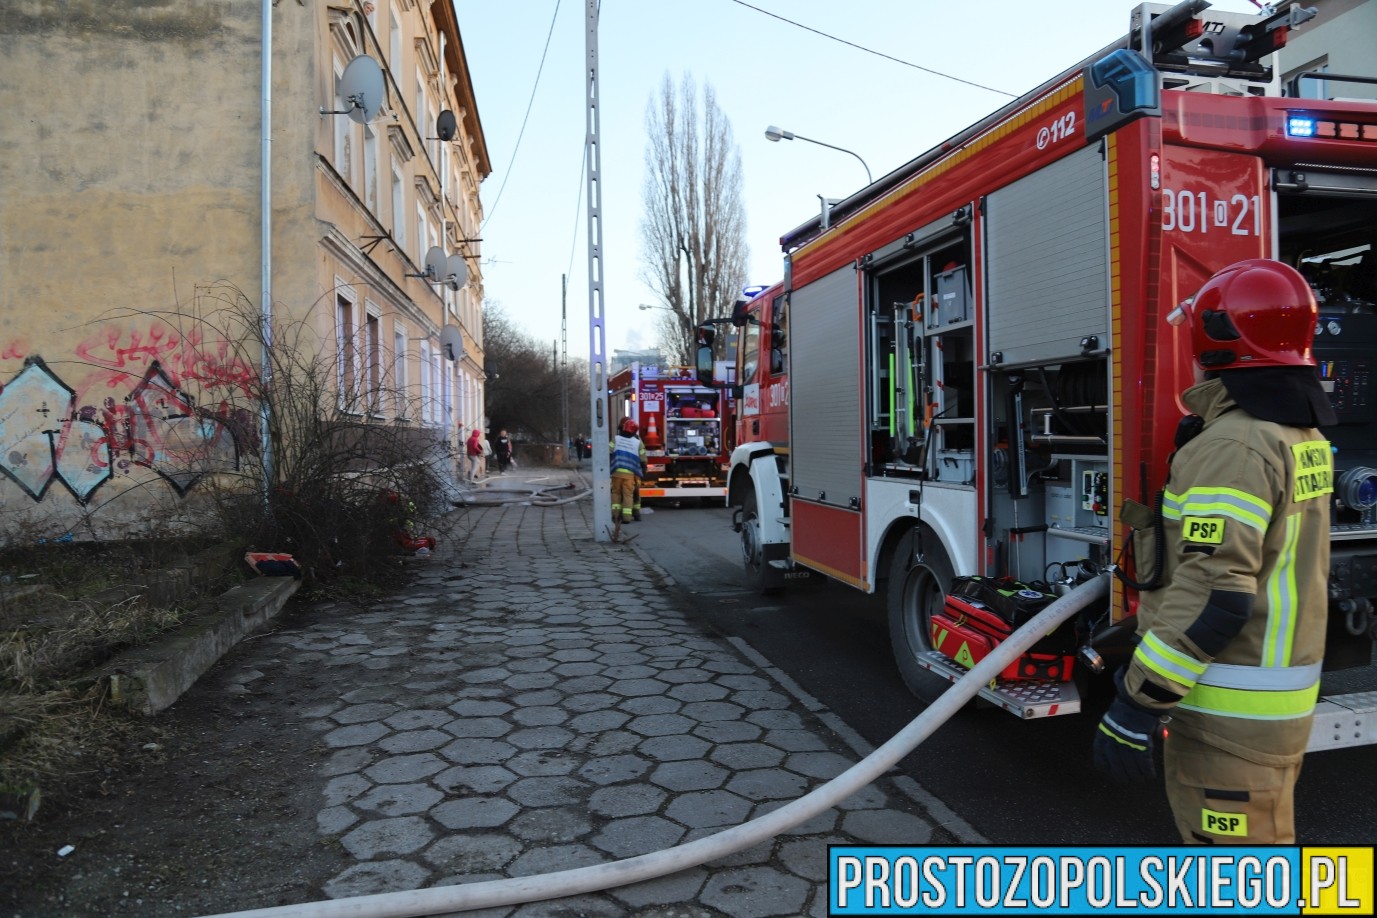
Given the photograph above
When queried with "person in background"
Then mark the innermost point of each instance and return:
(503, 450)
(627, 470)
(579, 446)
(1232, 640)
(473, 450)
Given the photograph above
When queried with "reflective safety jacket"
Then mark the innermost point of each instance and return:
(626, 456)
(1231, 645)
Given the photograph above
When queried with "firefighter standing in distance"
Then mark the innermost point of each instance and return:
(627, 470)
(1231, 643)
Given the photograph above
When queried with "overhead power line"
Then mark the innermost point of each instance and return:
(945, 76)
(522, 133)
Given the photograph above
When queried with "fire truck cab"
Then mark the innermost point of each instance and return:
(973, 359)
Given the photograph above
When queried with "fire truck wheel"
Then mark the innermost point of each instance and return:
(919, 576)
(761, 577)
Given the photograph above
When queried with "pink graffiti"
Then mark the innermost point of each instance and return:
(183, 358)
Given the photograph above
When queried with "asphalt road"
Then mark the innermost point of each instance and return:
(1015, 782)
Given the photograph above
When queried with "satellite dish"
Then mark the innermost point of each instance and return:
(436, 265)
(446, 125)
(457, 271)
(361, 87)
(452, 340)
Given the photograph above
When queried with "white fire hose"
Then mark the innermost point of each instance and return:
(495, 893)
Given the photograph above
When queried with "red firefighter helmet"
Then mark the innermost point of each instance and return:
(629, 427)
(1256, 313)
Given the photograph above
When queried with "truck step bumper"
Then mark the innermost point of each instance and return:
(1344, 720)
(1028, 700)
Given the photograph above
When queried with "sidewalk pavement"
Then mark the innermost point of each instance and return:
(536, 700)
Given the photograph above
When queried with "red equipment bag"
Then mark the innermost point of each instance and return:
(980, 612)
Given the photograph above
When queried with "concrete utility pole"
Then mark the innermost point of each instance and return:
(564, 437)
(598, 419)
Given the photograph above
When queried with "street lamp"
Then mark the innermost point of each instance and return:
(644, 306)
(775, 135)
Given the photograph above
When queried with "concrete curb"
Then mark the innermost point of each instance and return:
(150, 679)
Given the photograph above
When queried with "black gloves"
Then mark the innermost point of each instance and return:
(1124, 739)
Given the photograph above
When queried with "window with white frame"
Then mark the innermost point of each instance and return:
(346, 349)
(447, 375)
(423, 234)
(437, 387)
(399, 374)
(398, 208)
(372, 357)
(342, 126)
(425, 381)
(422, 105)
(394, 44)
(370, 168)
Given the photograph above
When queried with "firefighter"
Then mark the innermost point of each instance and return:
(1231, 642)
(627, 469)
(636, 498)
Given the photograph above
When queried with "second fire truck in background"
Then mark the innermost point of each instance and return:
(682, 426)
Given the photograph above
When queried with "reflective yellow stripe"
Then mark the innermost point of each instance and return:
(1250, 704)
(1227, 502)
(1168, 662)
(1283, 600)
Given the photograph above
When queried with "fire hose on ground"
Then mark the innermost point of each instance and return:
(518, 890)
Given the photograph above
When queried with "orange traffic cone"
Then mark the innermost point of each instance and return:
(652, 433)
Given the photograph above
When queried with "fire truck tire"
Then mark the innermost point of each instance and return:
(916, 589)
(760, 576)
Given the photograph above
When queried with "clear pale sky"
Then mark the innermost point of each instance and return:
(764, 72)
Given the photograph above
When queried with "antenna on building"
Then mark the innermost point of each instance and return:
(452, 340)
(437, 266)
(361, 86)
(446, 126)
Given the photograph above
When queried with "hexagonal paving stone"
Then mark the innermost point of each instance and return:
(637, 835)
(362, 713)
(689, 776)
(356, 735)
(747, 755)
(414, 741)
(708, 808)
(540, 763)
(673, 748)
(550, 825)
(614, 768)
(728, 731)
(598, 721)
(680, 887)
(553, 859)
(478, 751)
(476, 707)
(475, 813)
(345, 788)
(540, 738)
(523, 681)
(542, 716)
(400, 799)
(418, 720)
(378, 837)
(626, 800)
(685, 675)
(707, 711)
(335, 819)
(547, 791)
(755, 892)
(755, 701)
(795, 741)
(768, 784)
(824, 765)
(630, 687)
(481, 727)
(886, 827)
(698, 691)
(377, 877)
(471, 853)
(661, 725)
(651, 704)
(776, 720)
(578, 669)
(481, 779)
(400, 769)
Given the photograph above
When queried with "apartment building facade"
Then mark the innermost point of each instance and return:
(140, 232)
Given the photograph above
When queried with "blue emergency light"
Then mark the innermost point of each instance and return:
(1300, 126)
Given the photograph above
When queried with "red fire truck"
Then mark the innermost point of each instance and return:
(967, 367)
(681, 422)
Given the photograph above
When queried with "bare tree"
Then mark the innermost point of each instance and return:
(526, 384)
(693, 234)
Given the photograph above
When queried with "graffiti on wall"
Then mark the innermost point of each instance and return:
(130, 412)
